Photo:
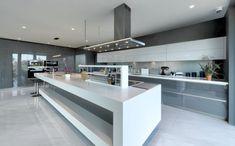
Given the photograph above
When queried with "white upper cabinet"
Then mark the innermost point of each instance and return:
(154, 53)
(207, 49)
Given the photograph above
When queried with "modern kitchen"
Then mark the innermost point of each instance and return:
(117, 73)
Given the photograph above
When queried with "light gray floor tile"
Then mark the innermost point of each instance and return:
(27, 121)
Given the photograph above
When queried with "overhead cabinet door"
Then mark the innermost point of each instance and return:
(208, 49)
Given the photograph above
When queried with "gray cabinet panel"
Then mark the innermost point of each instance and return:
(172, 99)
(204, 105)
(207, 98)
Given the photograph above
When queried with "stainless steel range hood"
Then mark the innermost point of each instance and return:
(122, 33)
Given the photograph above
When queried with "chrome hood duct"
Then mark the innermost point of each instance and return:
(122, 33)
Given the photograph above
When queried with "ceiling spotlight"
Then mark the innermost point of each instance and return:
(192, 6)
(24, 27)
(72, 29)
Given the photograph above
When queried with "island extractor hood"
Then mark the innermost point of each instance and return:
(122, 33)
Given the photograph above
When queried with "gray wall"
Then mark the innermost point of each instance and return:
(7, 47)
(231, 62)
(210, 29)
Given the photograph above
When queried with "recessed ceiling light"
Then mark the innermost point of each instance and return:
(24, 27)
(72, 28)
(191, 6)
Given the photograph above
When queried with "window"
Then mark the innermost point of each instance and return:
(24, 69)
(15, 69)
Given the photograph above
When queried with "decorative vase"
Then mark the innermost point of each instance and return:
(209, 77)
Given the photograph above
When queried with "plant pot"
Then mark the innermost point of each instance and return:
(209, 77)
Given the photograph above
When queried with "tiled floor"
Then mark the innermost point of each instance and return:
(27, 121)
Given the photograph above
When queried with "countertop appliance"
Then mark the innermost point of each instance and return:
(163, 69)
(194, 74)
(144, 71)
(179, 74)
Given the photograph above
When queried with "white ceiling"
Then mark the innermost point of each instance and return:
(46, 19)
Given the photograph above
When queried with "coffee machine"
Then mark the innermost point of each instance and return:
(163, 69)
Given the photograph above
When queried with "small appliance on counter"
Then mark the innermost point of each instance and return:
(202, 74)
(187, 74)
(180, 74)
(163, 69)
(194, 74)
(144, 71)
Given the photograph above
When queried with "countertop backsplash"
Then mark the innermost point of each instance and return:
(176, 66)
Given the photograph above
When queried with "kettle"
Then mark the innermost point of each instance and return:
(163, 69)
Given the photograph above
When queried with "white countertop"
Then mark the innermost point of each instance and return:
(111, 92)
(183, 78)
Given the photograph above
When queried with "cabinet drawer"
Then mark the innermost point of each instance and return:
(214, 107)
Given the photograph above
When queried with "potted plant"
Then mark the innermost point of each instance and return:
(210, 69)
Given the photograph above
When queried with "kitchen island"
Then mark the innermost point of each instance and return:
(135, 112)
